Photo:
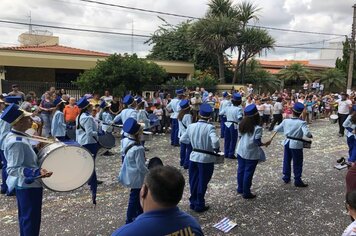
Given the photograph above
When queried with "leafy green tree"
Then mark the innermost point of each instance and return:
(121, 73)
(294, 72)
(343, 63)
(333, 79)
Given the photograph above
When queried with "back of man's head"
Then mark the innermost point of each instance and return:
(166, 184)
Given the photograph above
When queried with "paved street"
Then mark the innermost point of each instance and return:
(279, 209)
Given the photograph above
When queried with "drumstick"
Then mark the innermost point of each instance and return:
(37, 139)
(274, 134)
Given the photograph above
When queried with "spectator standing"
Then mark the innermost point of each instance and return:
(277, 113)
(216, 107)
(343, 110)
(46, 108)
(95, 100)
(107, 97)
(71, 111)
(196, 101)
(16, 92)
(27, 104)
(305, 86)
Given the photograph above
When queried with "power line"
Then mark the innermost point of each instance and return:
(197, 18)
(139, 35)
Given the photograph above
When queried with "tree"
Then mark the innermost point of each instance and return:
(343, 63)
(215, 34)
(121, 73)
(334, 79)
(294, 72)
(263, 80)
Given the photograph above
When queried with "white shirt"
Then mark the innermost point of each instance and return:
(348, 230)
(260, 109)
(268, 109)
(277, 108)
(344, 106)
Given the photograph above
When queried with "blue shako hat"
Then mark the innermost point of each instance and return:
(298, 107)
(236, 96)
(12, 114)
(131, 126)
(128, 100)
(179, 91)
(251, 110)
(205, 110)
(13, 99)
(184, 104)
(83, 103)
(104, 104)
(139, 99)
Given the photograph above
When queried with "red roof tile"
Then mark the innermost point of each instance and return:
(57, 49)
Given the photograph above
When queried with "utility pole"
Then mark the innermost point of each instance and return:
(352, 53)
(132, 37)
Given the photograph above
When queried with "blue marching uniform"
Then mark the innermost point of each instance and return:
(233, 117)
(351, 141)
(107, 119)
(23, 171)
(222, 113)
(58, 127)
(185, 149)
(204, 140)
(142, 117)
(133, 169)
(174, 106)
(4, 130)
(293, 149)
(129, 112)
(87, 136)
(248, 153)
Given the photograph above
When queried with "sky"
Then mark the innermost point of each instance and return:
(328, 16)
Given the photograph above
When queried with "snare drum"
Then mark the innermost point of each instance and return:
(220, 159)
(71, 164)
(147, 136)
(107, 140)
(333, 118)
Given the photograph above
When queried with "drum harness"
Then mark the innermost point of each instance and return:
(81, 127)
(205, 151)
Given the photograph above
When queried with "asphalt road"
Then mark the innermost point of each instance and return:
(279, 209)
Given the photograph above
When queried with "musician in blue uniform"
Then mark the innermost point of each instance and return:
(160, 194)
(233, 117)
(5, 128)
(295, 130)
(129, 111)
(23, 170)
(205, 143)
(87, 136)
(58, 126)
(350, 125)
(106, 117)
(174, 106)
(142, 117)
(249, 151)
(184, 119)
(225, 103)
(133, 169)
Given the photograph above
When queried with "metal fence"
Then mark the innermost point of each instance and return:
(40, 87)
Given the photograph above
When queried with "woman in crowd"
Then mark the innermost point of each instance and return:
(46, 108)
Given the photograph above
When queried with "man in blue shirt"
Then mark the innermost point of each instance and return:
(161, 192)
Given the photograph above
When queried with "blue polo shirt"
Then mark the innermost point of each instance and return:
(170, 221)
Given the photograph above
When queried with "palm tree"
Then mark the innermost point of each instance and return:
(246, 12)
(294, 72)
(333, 79)
(222, 8)
(215, 34)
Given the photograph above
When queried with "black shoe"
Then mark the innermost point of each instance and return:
(301, 184)
(2, 191)
(108, 153)
(202, 210)
(99, 182)
(146, 149)
(286, 181)
(250, 196)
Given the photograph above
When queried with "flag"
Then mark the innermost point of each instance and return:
(225, 225)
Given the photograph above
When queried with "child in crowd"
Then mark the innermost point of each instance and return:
(159, 113)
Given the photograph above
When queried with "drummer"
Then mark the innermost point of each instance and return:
(58, 126)
(142, 117)
(106, 117)
(87, 136)
(174, 106)
(23, 170)
(350, 126)
(133, 169)
(184, 119)
(5, 128)
(293, 149)
(130, 111)
(204, 140)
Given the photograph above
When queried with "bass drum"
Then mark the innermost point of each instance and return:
(71, 164)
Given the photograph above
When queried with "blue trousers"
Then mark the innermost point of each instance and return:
(350, 143)
(93, 149)
(185, 150)
(134, 208)
(29, 203)
(3, 172)
(230, 141)
(297, 156)
(199, 177)
(246, 169)
(222, 126)
(174, 132)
